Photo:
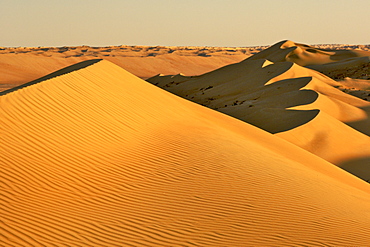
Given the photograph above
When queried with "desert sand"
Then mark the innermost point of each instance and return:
(272, 91)
(265, 151)
(23, 64)
(19, 65)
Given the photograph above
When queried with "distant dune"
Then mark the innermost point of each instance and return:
(92, 155)
(23, 64)
(20, 65)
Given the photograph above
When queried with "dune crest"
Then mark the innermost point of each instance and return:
(272, 91)
(98, 157)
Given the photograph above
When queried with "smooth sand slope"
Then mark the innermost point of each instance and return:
(296, 103)
(99, 157)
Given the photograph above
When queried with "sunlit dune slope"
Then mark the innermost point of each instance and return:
(98, 157)
(298, 104)
(336, 63)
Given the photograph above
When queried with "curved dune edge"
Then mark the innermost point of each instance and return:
(98, 157)
(305, 55)
(296, 103)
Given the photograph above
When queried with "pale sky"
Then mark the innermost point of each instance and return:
(182, 22)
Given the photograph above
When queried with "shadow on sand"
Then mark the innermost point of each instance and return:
(362, 125)
(359, 167)
(240, 90)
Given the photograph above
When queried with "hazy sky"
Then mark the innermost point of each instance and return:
(182, 22)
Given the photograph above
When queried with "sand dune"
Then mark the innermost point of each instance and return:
(298, 104)
(23, 64)
(19, 65)
(306, 55)
(18, 69)
(94, 156)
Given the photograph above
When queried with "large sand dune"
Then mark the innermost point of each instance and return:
(272, 91)
(94, 156)
(91, 155)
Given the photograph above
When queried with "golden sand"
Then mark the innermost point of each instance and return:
(95, 156)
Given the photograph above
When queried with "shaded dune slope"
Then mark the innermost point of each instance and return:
(296, 103)
(98, 157)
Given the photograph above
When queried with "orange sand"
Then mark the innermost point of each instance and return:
(94, 156)
(296, 103)
(20, 65)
